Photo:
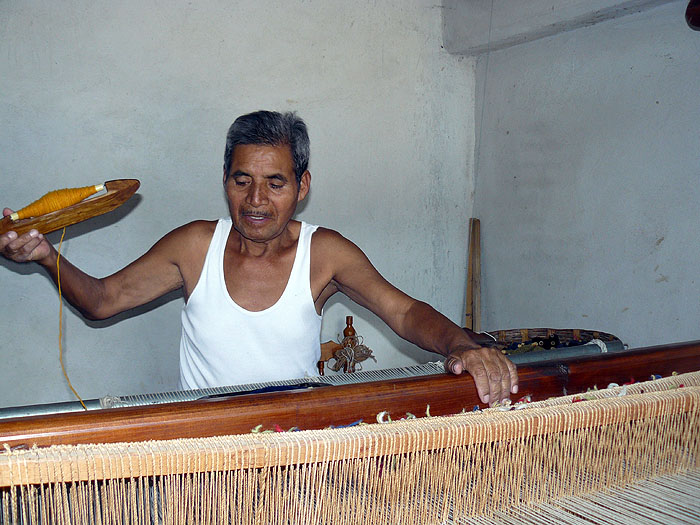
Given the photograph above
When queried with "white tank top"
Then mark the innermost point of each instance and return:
(224, 344)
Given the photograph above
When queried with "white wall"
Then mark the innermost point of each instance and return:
(471, 27)
(587, 180)
(97, 90)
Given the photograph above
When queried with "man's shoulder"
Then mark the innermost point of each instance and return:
(195, 235)
(194, 230)
(332, 245)
(197, 228)
(325, 236)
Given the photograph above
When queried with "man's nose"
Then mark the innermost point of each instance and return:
(257, 194)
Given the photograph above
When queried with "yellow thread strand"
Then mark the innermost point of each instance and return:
(56, 200)
(60, 320)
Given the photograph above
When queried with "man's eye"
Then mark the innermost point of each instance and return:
(240, 182)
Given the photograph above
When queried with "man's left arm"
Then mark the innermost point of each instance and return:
(494, 375)
(353, 274)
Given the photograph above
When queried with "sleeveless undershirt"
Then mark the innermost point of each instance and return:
(224, 344)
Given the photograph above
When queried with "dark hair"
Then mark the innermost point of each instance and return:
(272, 129)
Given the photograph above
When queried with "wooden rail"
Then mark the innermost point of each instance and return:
(338, 405)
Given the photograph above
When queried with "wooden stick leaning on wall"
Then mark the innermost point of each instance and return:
(473, 316)
(476, 273)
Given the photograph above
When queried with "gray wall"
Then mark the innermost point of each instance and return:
(471, 27)
(98, 90)
(587, 179)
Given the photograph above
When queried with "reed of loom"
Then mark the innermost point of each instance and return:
(61, 208)
(492, 465)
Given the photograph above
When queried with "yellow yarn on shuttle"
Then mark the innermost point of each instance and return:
(56, 200)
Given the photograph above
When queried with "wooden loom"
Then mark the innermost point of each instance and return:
(197, 462)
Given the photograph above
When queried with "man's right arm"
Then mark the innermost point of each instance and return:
(155, 273)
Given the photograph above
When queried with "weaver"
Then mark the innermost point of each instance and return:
(489, 465)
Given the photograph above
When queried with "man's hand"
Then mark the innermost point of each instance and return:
(32, 246)
(495, 376)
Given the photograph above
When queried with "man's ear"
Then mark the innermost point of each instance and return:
(304, 186)
(225, 177)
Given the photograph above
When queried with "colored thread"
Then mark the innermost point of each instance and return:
(353, 424)
(56, 200)
(507, 405)
(60, 320)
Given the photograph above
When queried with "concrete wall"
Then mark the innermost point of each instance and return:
(471, 27)
(97, 90)
(587, 180)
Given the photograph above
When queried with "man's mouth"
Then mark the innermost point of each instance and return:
(256, 215)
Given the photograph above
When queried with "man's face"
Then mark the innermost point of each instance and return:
(262, 190)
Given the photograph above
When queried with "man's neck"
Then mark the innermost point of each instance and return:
(264, 249)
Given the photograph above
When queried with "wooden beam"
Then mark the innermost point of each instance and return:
(337, 405)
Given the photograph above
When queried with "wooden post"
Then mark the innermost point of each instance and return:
(473, 315)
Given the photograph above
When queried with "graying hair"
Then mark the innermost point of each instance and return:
(270, 128)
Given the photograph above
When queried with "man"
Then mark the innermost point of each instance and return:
(258, 280)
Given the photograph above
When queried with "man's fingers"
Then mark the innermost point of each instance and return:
(502, 375)
(22, 248)
(505, 383)
(513, 372)
(495, 384)
(453, 365)
(6, 239)
(481, 381)
(495, 376)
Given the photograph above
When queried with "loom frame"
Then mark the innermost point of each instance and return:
(338, 405)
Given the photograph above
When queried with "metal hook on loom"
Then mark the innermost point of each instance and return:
(118, 192)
